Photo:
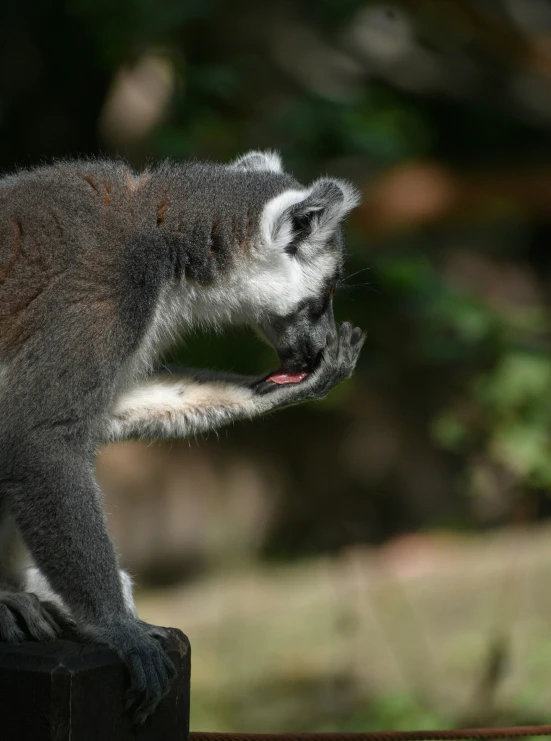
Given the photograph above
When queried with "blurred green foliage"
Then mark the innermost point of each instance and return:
(453, 393)
(472, 370)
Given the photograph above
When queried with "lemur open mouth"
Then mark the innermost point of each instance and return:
(280, 377)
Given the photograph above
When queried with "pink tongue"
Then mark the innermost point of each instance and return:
(286, 377)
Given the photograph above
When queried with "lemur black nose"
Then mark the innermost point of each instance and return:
(300, 359)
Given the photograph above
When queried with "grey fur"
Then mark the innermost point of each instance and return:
(98, 268)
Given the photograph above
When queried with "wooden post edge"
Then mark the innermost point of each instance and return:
(67, 691)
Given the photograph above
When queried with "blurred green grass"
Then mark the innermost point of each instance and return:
(441, 113)
(406, 637)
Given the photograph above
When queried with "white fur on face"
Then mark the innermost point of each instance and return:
(276, 232)
(279, 282)
(265, 280)
(326, 201)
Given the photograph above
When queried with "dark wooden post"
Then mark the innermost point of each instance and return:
(65, 691)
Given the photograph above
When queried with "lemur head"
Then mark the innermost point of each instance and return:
(298, 259)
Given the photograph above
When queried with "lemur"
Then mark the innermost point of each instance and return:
(100, 268)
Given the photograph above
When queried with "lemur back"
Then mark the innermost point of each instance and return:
(99, 266)
(92, 229)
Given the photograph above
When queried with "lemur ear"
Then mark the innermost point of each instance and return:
(327, 203)
(310, 215)
(259, 161)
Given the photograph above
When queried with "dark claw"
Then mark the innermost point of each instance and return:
(58, 617)
(151, 671)
(155, 631)
(9, 630)
(24, 616)
(356, 335)
(171, 669)
(150, 684)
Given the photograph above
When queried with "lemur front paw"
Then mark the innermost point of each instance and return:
(24, 617)
(337, 362)
(338, 359)
(155, 631)
(151, 671)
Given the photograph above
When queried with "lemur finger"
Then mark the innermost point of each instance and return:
(39, 627)
(150, 683)
(356, 342)
(346, 330)
(144, 687)
(27, 606)
(344, 344)
(138, 681)
(347, 342)
(42, 630)
(357, 339)
(358, 336)
(156, 690)
(158, 633)
(358, 346)
(155, 631)
(151, 670)
(331, 341)
(10, 632)
(144, 710)
(58, 616)
(170, 668)
(48, 616)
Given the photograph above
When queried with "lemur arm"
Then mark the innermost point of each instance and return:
(179, 406)
(199, 401)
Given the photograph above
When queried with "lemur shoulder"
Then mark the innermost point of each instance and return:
(100, 268)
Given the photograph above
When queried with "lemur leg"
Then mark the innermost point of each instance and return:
(38, 584)
(49, 483)
(11, 550)
(53, 405)
(201, 401)
(22, 615)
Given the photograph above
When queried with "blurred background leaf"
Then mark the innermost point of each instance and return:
(440, 111)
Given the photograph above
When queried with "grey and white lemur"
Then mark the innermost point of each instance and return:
(99, 268)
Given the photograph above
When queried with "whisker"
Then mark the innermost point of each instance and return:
(356, 285)
(362, 270)
(371, 286)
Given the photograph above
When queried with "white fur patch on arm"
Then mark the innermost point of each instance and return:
(38, 584)
(163, 409)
